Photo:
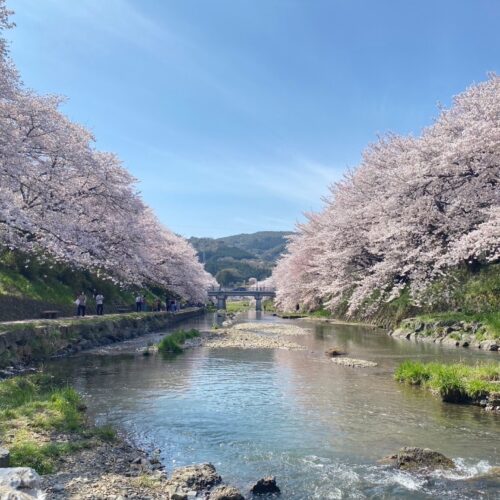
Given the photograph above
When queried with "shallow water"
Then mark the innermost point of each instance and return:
(318, 427)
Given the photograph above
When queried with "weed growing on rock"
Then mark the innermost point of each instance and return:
(173, 342)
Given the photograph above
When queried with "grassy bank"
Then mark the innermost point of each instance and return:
(236, 306)
(42, 420)
(29, 286)
(173, 343)
(464, 294)
(454, 383)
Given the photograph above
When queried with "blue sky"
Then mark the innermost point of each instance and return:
(236, 115)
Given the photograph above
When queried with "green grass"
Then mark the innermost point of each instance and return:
(268, 306)
(147, 481)
(26, 277)
(320, 313)
(456, 383)
(42, 457)
(105, 433)
(173, 343)
(33, 405)
(237, 306)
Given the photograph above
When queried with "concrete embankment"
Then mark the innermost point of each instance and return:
(25, 342)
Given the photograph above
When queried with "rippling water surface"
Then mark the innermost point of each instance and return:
(318, 427)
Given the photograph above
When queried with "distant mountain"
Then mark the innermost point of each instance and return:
(234, 259)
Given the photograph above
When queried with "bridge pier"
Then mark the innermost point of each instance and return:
(258, 303)
(221, 302)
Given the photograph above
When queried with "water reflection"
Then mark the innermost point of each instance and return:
(318, 426)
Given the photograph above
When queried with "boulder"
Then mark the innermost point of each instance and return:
(225, 493)
(7, 493)
(4, 457)
(489, 345)
(19, 483)
(493, 402)
(410, 458)
(195, 477)
(265, 486)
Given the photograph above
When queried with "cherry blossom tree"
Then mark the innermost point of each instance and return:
(408, 214)
(62, 199)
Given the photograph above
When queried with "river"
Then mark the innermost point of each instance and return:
(318, 427)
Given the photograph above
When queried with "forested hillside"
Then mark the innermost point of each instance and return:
(235, 259)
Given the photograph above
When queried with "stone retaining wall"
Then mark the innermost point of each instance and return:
(27, 342)
(447, 332)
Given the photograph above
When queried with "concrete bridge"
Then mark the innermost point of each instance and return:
(257, 293)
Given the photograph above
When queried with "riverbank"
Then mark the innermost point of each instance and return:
(453, 330)
(191, 407)
(44, 427)
(24, 343)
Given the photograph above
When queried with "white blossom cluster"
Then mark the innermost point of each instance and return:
(60, 197)
(409, 213)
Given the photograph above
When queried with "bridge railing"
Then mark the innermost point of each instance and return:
(243, 289)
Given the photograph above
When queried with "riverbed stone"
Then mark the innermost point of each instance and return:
(489, 345)
(334, 351)
(414, 459)
(195, 477)
(266, 485)
(4, 457)
(19, 483)
(354, 363)
(7, 493)
(225, 492)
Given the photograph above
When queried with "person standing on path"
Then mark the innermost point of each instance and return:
(99, 304)
(77, 304)
(82, 303)
(138, 303)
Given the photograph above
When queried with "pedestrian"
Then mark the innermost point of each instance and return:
(138, 303)
(82, 303)
(158, 305)
(99, 304)
(77, 304)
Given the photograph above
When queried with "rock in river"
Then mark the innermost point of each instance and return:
(225, 493)
(334, 351)
(196, 477)
(415, 459)
(355, 363)
(265, 486)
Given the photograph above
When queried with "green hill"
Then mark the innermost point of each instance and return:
(235, 259)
